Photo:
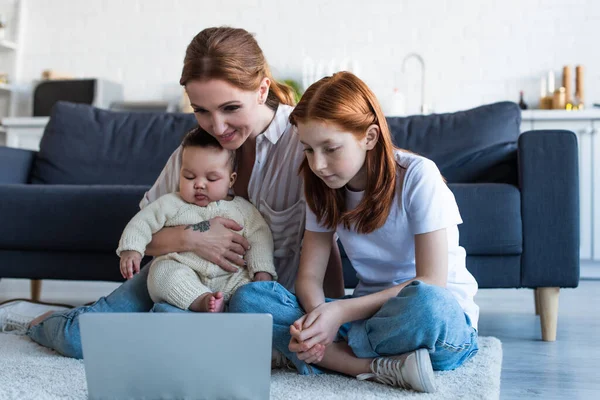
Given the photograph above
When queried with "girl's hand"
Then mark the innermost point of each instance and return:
(262, 276)
(311, 356)
(130, 263)
(215, 241)
(320, 326)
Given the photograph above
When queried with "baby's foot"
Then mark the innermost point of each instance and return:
(213, 302)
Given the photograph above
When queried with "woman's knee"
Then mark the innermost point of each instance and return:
(162, 307)
(256, 297)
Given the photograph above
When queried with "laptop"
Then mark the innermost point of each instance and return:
(177, 356)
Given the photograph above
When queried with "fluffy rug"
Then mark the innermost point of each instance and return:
(29, 371)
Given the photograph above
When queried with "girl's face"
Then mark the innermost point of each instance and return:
(229, 114)
(335, 156)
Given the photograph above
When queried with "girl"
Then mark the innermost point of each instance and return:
(412, 311)
(236, 100)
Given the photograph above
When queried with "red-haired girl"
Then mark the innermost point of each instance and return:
(413, 310)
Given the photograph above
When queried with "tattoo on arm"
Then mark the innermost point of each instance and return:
(200, 226)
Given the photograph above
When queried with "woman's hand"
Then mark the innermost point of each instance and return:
(262, 276)
(130, 263)
(214, 241)
(319, 327)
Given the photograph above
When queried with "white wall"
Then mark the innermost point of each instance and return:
(475, 51)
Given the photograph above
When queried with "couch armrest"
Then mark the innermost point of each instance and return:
(66, 217)
(15, 164)
(549, 183)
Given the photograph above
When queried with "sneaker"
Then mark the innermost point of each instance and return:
(278, 360)
(15, 316)
(408, 371)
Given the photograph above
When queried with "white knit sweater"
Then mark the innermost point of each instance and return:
(172, 210)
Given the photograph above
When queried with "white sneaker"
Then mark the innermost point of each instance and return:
(278, 360)
(15, 316)
(409, 371)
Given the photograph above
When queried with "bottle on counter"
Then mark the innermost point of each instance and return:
(522, 104)
(567, 84)
(559, 100)
(545, 94)
(579, 96)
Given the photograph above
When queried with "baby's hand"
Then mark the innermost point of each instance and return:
(262, 276)
(130, 263)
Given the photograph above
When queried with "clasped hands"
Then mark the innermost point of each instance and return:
(313, 332)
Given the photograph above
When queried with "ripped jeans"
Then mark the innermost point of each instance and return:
(420, 316)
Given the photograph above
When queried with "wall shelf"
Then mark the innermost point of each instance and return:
(7, 45)
(11, 53)
(5, 87)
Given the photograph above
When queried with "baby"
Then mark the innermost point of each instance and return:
(186, 280)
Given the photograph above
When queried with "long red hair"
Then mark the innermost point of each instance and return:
(346, 102)
(232, 54)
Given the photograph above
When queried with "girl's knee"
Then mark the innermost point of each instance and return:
(420, 289)
(253, 296)
(432, 302)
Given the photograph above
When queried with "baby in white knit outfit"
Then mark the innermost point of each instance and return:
(186, 280)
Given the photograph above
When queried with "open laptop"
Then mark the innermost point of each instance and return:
(177, 356)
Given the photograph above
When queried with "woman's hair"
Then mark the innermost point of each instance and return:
(346, 102)
(198, 137)
(232, 55)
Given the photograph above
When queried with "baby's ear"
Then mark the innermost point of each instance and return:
(372, 136)
(232, 179)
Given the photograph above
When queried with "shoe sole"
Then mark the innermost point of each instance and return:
(425, 369)
(45, 303)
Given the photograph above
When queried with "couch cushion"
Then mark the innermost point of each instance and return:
(477, 145)
(73, 218)
(89, 146)
(491, 216)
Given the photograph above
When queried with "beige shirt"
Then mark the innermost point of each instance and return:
(275, 189)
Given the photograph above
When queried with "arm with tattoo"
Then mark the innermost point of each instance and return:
(200, 226)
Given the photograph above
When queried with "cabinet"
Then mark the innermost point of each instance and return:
(25, 132)
(11, 12)
(586, 126)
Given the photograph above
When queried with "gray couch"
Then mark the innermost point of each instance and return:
(62, 209)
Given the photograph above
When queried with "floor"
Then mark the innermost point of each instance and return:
(531, 369)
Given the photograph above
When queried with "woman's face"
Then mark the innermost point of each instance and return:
(229, 114)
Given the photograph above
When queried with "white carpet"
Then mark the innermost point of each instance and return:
(29, 371)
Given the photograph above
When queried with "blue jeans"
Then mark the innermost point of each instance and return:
(421, 316)
(60, 331)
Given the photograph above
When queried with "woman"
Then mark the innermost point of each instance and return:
(236, 100)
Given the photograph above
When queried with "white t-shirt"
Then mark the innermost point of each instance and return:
(386, 257)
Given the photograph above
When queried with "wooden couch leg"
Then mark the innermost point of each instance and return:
(536, 295)
(548, 307)
(36, 289)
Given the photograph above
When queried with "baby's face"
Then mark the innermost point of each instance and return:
(205, 175)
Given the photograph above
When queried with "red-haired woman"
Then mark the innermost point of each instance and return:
(413, 310)
(236, 99)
